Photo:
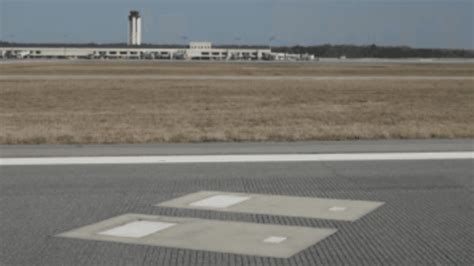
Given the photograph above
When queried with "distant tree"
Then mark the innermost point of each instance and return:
(353, 51)
(325, 50)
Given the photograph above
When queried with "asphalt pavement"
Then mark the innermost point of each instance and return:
(210, 148)
(427, 217)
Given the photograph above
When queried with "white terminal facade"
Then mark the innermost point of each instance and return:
(135, 50)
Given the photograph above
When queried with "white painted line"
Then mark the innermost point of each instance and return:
(219, 201)
(137, 229)
(238, 158)
(337, 209)
(274, 239)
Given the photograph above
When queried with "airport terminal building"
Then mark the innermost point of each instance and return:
(135, 50)
(195, 51)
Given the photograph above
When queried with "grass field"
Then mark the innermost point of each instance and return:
(127, 111)
(220, 69)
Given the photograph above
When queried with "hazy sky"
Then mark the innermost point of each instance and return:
(417, 23)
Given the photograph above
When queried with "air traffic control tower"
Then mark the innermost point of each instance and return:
(134, 28)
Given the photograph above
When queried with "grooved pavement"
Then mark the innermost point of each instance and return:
(427, 217)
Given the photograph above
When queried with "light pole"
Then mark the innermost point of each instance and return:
(184, 38)
(272, 38)
(238, 39)
(66, 38)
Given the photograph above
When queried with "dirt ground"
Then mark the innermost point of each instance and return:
(128, 111)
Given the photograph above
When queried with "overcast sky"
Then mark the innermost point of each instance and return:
(417, 23)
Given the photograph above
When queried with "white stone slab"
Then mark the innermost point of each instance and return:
(318, 208)
(137, 229)
(219, 201)
(253, 239)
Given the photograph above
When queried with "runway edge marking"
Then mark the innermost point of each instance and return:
(90, 160)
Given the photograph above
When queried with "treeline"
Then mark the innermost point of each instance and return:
(374, 51)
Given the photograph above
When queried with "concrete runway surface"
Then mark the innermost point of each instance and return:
(426, 218)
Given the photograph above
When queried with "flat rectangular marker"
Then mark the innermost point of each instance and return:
(253, 239)
(318, 208)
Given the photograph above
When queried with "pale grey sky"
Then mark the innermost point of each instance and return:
(417, 23)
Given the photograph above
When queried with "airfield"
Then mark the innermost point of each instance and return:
(80, 102)
(343, 162)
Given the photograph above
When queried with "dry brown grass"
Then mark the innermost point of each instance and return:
(117, 111)
(219, 69)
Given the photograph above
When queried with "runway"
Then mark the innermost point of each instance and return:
(426, 216)
(229, 78)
